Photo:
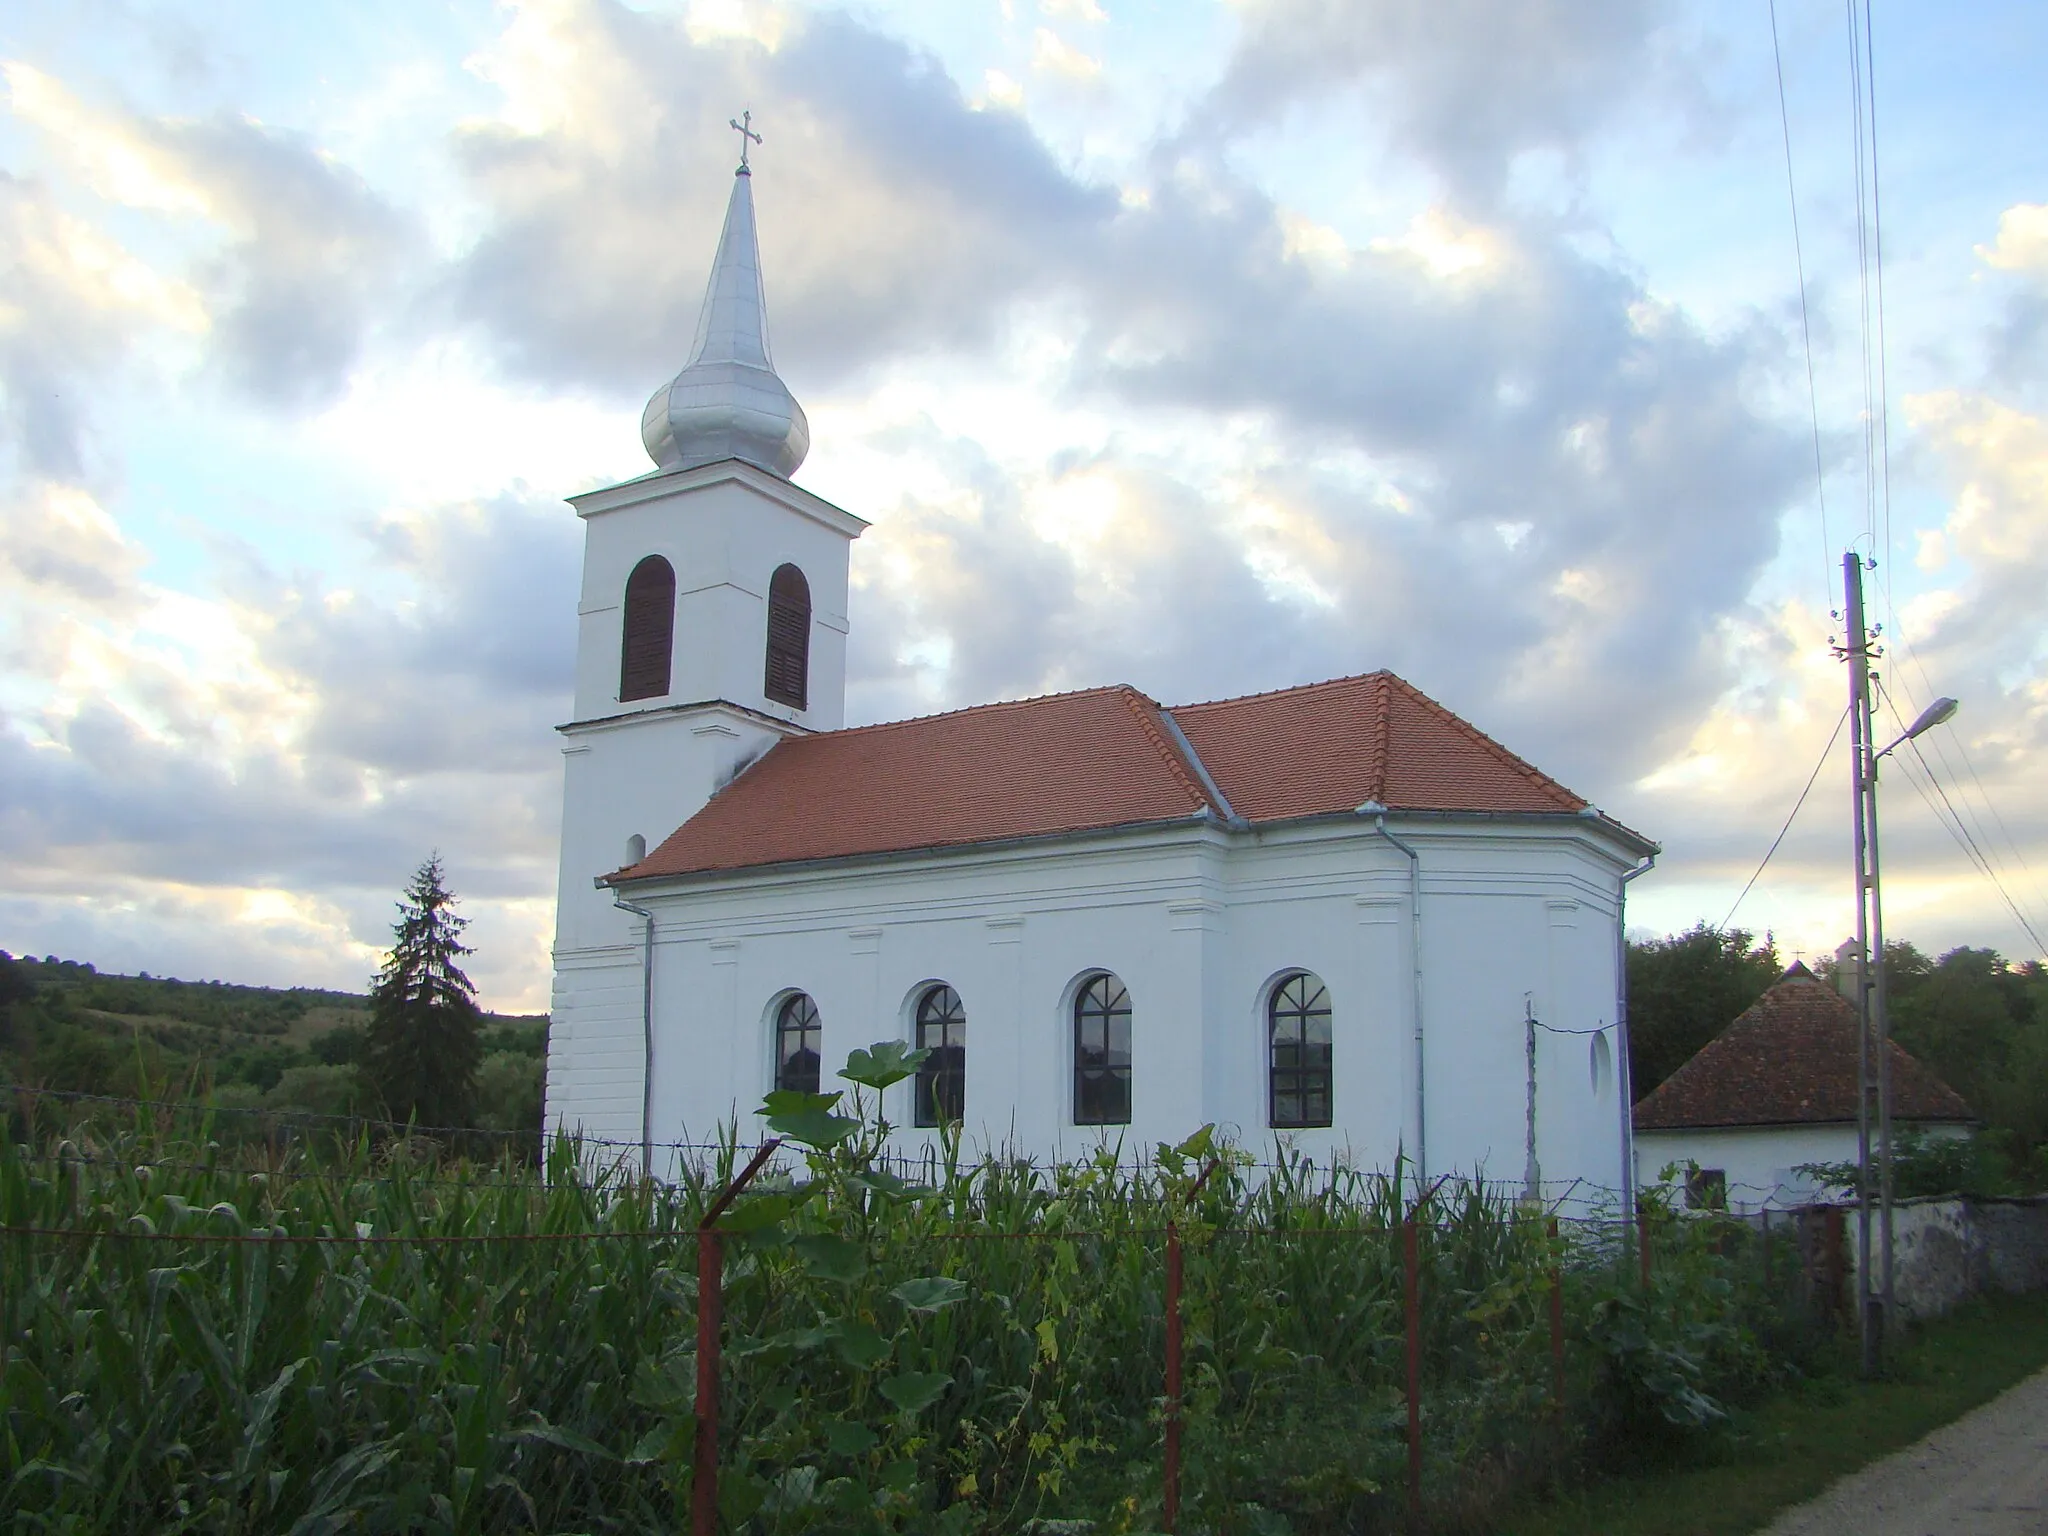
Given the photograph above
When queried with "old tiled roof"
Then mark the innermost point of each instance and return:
(1105, 757)
(1333, 746)
(1790, 1059)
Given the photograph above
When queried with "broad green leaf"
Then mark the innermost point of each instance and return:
(850, 1439)
(830, 1257)
(912, 1391)
(1199, 1145)
(930, 1293)
(900, 1476)
(668, 1385)
(859, 1345)
(883, 1063)
(880, 1181)
(541, 1431)
(814, 1127)
(658, 1444)
(753, 1213)
(807, 1338)
(790, 1101)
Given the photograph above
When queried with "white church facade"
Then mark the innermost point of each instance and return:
(1326, 914)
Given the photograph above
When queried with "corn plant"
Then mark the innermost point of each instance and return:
(329, 1334)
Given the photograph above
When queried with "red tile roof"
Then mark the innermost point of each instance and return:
(1104, 757)
(1790, 1059)
(1333, 746)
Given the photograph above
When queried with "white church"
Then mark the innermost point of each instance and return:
(1335, 916)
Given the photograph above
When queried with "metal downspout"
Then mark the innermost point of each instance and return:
(1625, 1074)
(646, 1035)
(1378, 813)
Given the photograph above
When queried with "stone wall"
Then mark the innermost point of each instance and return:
(1945, 1251)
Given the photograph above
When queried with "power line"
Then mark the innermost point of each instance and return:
(1862, 265)
(1970, 844)
(1805, 324)
(1811, 778)
(1952, 823)
(1884, 407)
(1903, 638)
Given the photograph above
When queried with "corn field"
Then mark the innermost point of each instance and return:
(381, 1336)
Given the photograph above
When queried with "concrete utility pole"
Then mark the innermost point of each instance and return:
(1872, 1077)
(1873, 1043)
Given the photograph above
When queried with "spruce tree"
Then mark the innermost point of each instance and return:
(421, 1055)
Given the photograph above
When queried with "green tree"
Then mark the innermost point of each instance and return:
(1685, 989)
(421, 1056)
(1982, 1024)
(17, 995)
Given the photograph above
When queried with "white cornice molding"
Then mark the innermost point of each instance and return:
(715, 711)
(662, 484)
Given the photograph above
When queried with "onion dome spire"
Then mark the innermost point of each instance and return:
(728, 403)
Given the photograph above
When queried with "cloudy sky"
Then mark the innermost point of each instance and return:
(1209, 347)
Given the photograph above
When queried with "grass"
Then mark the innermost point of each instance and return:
(1791, 1446)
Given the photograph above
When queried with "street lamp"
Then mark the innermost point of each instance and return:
(1878, 1025)
(1873, 1036)
(1940, 712)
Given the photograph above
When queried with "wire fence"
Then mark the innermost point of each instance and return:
(393, 1338)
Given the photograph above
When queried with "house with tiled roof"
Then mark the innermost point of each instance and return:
(1774, 1091)
(1336, 914)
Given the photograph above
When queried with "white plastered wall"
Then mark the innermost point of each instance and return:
(1197, 922)
(642, 768)
(1758, 1161)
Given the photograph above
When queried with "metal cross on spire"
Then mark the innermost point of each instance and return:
(744, 126)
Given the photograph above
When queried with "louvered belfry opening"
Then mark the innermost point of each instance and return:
(789, 638)
(649, 630)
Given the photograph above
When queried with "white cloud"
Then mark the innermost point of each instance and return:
(109, 155)
(2022, 243)
(1052, 54)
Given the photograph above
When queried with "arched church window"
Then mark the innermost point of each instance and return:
(1102, 1052)
(1600, 1063)
(799, 1044)
(942, 1079)
(1299, 1079)
(789, 638)
(649, 631)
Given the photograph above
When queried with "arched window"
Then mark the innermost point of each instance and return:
(1600, 1062)
(789, 638)
(1298, 1033)
(799, 1044)
(942, 1080)
(1102, 1052)
(649, 632)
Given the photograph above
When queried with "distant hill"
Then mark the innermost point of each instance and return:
(292, 1013)
(73, 1027)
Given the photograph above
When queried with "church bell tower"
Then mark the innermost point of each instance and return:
(711, 623)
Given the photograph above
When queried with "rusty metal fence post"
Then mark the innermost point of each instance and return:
(1173, 1343)
(1412, 1267)
(1170, 1496)
(1556, 1320)
(710, 1309)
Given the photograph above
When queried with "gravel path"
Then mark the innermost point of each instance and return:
(1984, 1475)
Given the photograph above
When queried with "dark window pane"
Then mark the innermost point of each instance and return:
(788, 675)
(799, 1042)
(941, 1086)
(1300, 1068)
(1102, 1052)
(648, 631)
